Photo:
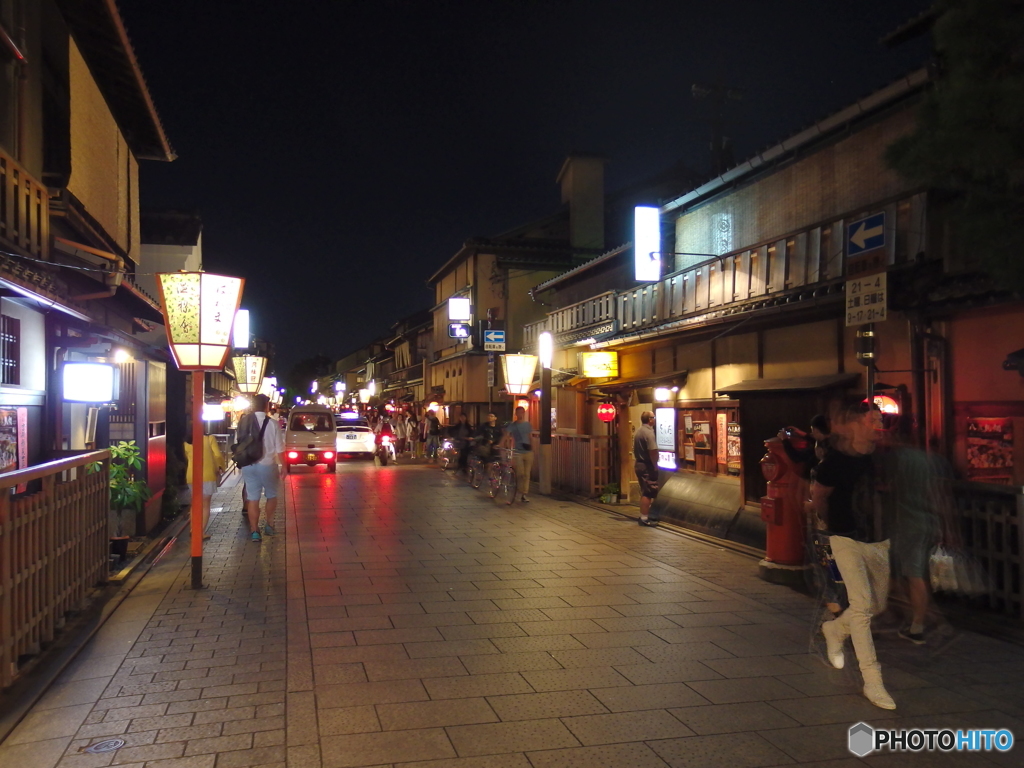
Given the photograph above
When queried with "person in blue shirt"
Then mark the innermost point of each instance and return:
(518, 435)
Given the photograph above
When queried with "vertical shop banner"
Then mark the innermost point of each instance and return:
(22, 444)
(721, 438)
(990, 450)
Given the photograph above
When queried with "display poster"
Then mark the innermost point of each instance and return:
(721, 438)
(702, 435)
(665, 428)
(733, 448)
(688, 453)
(688, 424)
(8, 439)
(990, 449)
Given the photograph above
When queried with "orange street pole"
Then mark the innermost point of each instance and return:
(198, 454)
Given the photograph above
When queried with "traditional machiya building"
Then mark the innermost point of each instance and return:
(770, 273)
(491, 277)
(76, 119)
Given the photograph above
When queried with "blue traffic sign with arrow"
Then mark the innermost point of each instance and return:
(866, 235)
(494, 337)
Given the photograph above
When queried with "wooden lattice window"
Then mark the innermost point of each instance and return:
(10, 350)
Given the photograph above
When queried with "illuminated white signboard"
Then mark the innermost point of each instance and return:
(647, 243)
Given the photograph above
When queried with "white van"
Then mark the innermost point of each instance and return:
(310, 438)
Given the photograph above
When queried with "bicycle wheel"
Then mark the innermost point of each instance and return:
(493, 479)
(509, 483)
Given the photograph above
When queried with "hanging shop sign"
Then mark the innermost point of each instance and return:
(606, 412)
(89, 382)
(647, 243)
(603, 364)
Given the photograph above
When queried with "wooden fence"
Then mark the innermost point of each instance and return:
(54, 546)
(580, 464)
(992, 526)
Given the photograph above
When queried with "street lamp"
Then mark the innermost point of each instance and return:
(519, 371)
(199, 311)
(249, 371)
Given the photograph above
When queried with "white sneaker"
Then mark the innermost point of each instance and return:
(874, 691)
(833, 646)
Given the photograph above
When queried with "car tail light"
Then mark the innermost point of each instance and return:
(328, 455)
(293, 454)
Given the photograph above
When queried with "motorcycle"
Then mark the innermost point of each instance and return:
(386, 450)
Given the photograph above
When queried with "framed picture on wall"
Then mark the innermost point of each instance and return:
(702, 435)
(688, 424)
(688, 453)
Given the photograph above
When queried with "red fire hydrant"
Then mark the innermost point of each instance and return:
(782, 508)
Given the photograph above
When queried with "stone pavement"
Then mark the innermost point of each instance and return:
(401, 618)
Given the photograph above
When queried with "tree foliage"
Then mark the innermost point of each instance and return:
(969, 139)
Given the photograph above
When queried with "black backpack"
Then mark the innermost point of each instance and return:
(249, 448)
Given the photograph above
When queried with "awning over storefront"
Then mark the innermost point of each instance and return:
(674, 379)
(796, 384)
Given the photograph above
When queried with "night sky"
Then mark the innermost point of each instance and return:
(340, 152)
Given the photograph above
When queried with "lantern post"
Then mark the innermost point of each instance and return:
(199, 311)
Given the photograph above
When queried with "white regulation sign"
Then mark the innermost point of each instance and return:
(866, 300)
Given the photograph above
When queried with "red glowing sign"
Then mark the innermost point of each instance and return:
(887, 405)
(606, 412)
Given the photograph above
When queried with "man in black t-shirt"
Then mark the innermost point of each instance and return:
(843, 498)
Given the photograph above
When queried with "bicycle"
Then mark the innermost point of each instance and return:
(475, 470)
(502, 481)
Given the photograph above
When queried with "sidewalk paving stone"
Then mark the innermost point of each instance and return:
(401, 619)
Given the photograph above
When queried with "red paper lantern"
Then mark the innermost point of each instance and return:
(606, 412)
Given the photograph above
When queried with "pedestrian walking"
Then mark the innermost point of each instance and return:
(262, 477)
(432, 428)
(845, 500)
(519, 434)
(645, 457)
(915, 492)
(413, 431)
(461, 434)
(213, 465)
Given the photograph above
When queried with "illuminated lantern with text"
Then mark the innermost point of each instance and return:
(249, 371)
(606, 412)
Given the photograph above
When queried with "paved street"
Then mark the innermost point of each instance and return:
(400, 618)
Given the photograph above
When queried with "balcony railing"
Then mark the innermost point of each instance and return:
(709, 286)
(583, 314)
(53, 550)
(24, 211)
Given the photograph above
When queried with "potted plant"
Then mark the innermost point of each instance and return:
(127, 492)
(610, 493)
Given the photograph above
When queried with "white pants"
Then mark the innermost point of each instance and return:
(865, 572)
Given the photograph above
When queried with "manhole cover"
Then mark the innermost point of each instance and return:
(105, 746)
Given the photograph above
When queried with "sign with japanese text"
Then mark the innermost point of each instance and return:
(665, 428)
(866, 300)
